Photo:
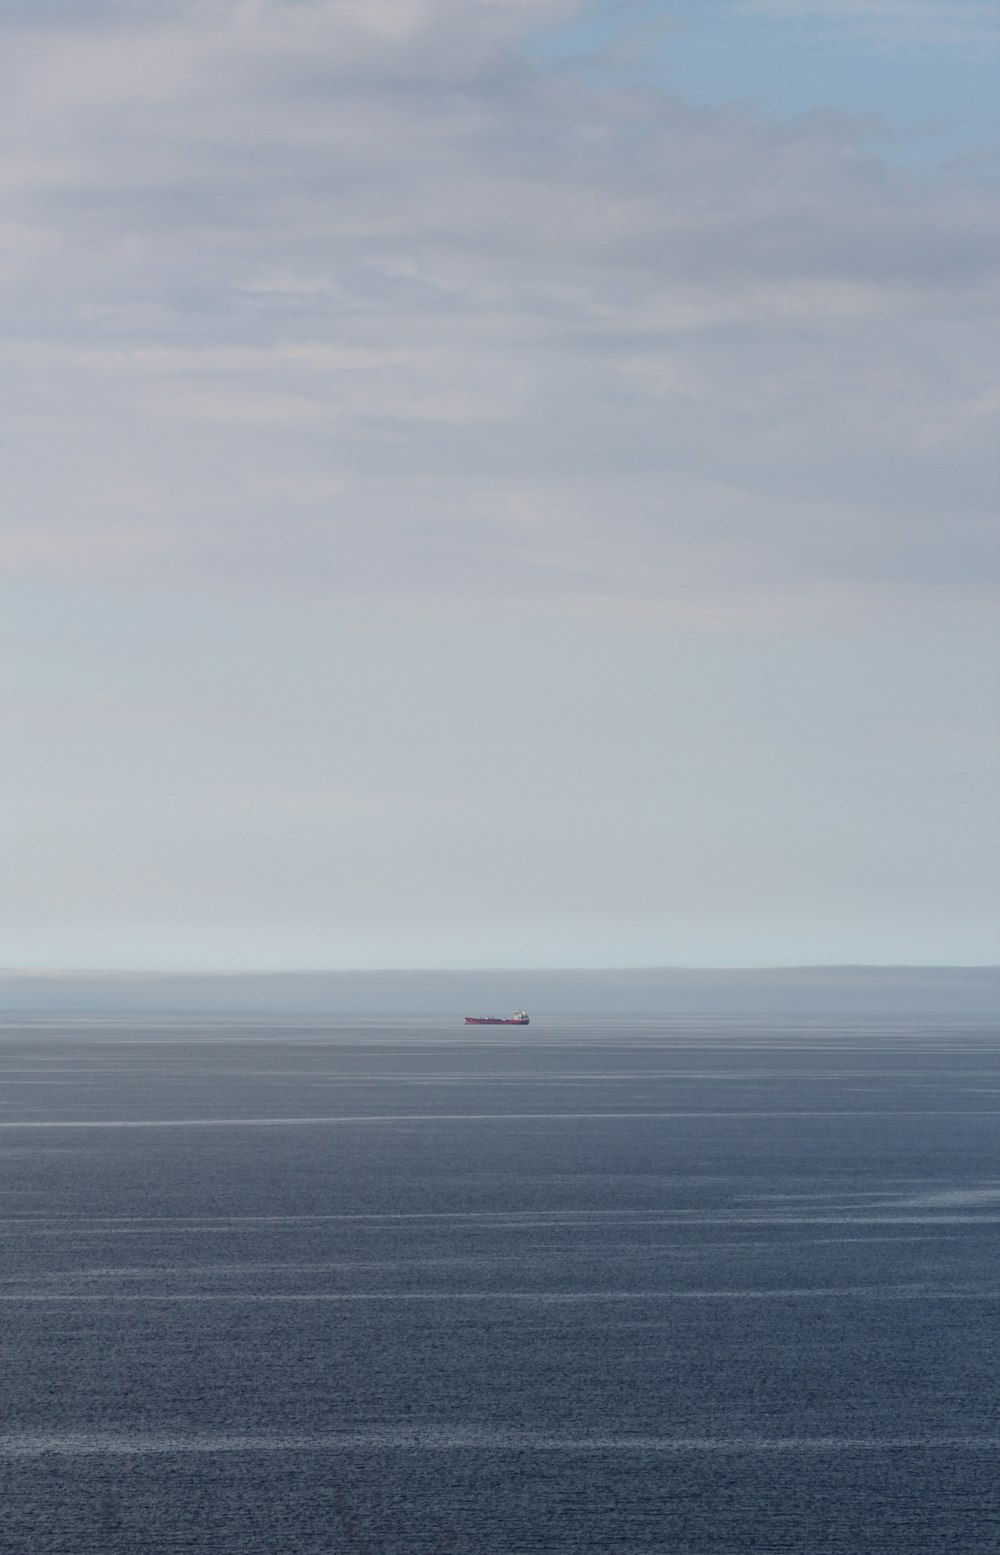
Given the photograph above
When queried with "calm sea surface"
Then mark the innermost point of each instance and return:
(399, 1288)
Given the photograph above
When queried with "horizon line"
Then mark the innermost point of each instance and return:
(435, 971)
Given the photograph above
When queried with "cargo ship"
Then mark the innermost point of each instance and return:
(519, 1018)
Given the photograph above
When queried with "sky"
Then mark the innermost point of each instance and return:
(499, 483)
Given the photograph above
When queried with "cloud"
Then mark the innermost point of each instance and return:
(91, 550)
(355, 299)
(896, 23)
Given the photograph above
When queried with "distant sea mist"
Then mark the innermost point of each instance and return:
(657, 991)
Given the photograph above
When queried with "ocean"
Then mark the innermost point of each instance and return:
(396, 1287)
